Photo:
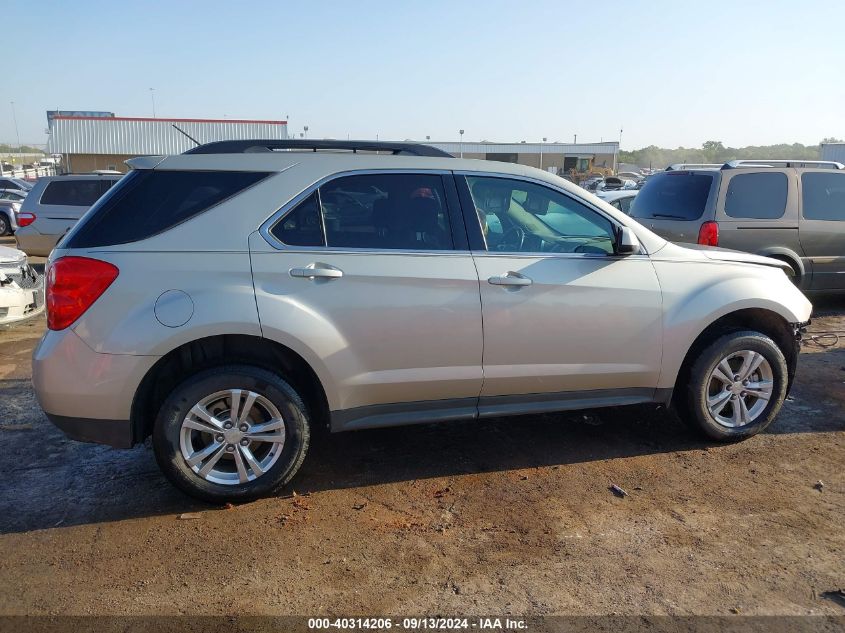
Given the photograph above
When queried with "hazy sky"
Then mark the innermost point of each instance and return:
(669, 73)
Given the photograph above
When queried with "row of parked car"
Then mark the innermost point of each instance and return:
(38, 214)
(21, 287)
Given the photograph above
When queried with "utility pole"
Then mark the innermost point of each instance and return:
(153, 99)
(541, 152)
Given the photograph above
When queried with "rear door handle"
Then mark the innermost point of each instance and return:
(510, 278)
(317, 271)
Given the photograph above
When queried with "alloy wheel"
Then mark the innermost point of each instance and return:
(232, 437)
(739, 388)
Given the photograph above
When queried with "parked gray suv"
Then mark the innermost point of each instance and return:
(229, 300)
(790, 210)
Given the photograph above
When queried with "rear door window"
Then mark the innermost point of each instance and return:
(823, 196)
(372, 211)
(673, 195)
(759, 196)
(148, 202)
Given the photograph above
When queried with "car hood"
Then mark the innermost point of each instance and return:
(713, 253)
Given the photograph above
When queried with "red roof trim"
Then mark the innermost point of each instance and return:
(121, 118)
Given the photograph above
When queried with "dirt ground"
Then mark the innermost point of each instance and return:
(510, 516)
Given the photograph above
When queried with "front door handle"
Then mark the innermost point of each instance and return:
(510, 278)
(317, 271)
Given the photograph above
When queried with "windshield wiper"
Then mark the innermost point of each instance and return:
(668, 215)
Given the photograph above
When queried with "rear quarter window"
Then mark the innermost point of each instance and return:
(76, 192)
(760, 196)
(148, 202)
(674, 195)
(823, 196)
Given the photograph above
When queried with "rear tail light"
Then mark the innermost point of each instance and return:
(708, 234)
(73, 285)
(25, 219)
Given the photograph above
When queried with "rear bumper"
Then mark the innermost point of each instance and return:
(116, 433)
(31, 242)
(87, 394)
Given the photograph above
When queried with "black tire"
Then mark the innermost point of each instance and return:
(5, 225)
(167, 429)
(693, 403)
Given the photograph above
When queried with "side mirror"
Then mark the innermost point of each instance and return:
(627, 242)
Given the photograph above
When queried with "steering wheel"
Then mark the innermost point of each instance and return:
(506, 241)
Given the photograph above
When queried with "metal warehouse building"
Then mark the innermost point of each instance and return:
(559, 158)
(87, 143)
(833, 151)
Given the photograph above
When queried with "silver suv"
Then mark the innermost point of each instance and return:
(54, 206)
(230, 300)
(790, 210)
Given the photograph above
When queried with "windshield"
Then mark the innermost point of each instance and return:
(673, 195)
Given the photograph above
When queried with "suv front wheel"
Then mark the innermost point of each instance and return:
(231, 433)
(737, 386)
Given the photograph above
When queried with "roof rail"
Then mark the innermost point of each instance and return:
(682, 166)
(829, 164)
(261, 145)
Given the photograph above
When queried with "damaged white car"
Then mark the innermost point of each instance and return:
(21, 287)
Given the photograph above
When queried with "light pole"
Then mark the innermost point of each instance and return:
(575, 140)
(17, 134)
(15, 120)
(153, 99)
(461, 132)
(541, 152)
(305, 127)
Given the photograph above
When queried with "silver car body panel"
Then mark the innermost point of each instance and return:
(395, 327)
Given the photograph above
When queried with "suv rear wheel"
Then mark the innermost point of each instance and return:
(5, 225)
(231, 433)
(737, 386)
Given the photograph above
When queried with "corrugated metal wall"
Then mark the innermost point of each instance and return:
(150, 136)
(834, 151)
(528, 148)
